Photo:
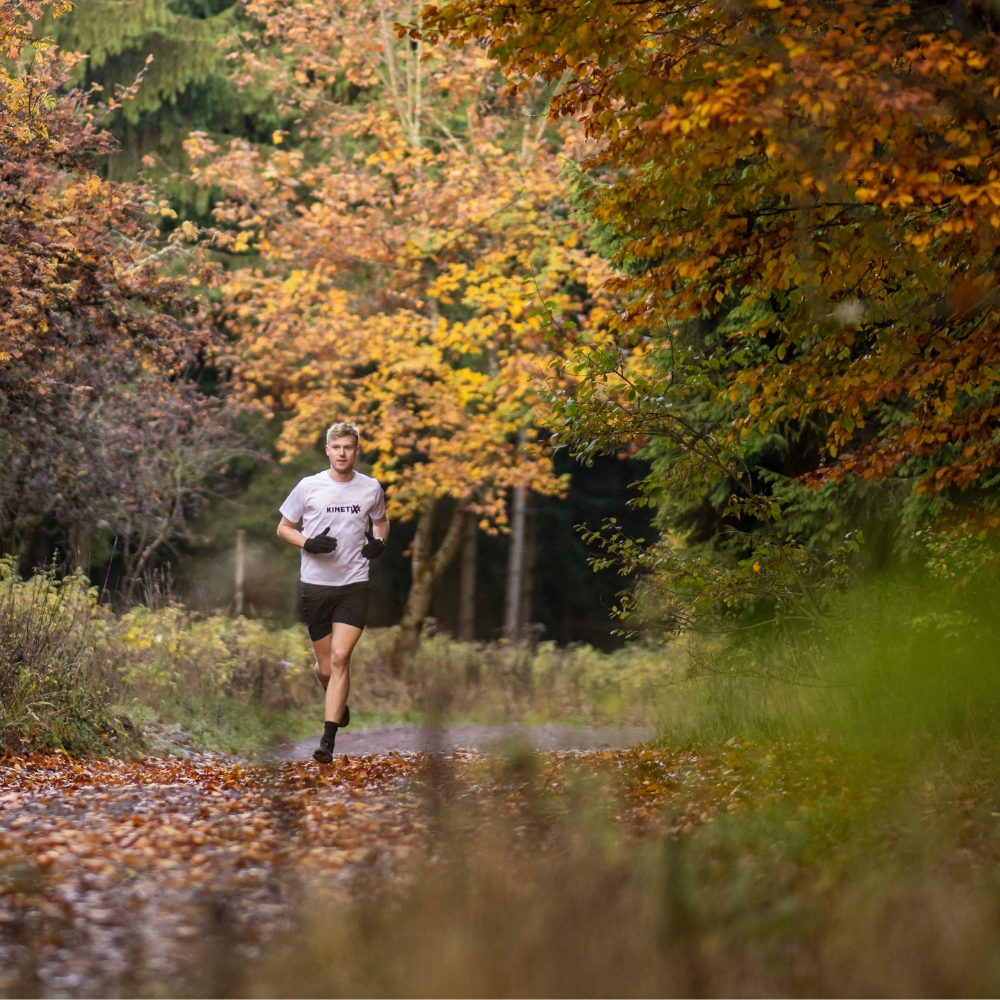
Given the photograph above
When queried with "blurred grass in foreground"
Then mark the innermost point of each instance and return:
(820, 881)
(893, 663)
(833, 828)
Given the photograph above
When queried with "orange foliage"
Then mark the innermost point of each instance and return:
(97, 337)
(826, 173)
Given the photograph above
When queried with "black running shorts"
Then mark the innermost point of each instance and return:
(322, 606)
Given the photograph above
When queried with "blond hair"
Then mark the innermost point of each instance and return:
(343, 429)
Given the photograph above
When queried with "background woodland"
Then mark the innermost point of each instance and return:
(538, 255)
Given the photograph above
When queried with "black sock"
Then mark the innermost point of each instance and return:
(330, 732)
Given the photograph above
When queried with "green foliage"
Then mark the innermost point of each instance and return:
(186, 86)
(117, 38)
(75, 675)
(496, 682)
(743, 538)
(58, 680)
(892, 664)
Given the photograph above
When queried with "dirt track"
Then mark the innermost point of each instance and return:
(408, 738)
(163, 876)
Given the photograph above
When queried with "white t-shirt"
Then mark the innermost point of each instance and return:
(321, 502)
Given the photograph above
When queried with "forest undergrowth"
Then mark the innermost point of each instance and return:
(76, 675)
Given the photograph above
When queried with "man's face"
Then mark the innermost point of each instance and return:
(342, 452)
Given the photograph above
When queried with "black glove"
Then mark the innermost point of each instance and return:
(321, 544)
(374, 547)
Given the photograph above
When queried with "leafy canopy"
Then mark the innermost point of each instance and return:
(403, 235)
(829, 171)
(102, 428)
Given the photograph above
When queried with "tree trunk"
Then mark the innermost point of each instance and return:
(467, 607)
(80, 548)
(426, 571)
(515, 565)
(241, 544)
(528, 566)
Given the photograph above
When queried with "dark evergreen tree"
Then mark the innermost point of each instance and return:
(186, 87)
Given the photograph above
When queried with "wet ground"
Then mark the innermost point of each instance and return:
(409, 738)
(161, 877)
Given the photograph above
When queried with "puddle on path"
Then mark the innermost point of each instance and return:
(409, 738)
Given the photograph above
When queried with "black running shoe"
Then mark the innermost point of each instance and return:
(323, 754)
(345, 719)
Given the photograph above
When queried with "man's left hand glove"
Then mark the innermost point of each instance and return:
(374, 547)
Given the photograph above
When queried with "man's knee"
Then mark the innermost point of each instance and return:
(339, 660)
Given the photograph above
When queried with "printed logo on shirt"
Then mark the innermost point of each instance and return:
(354, 508)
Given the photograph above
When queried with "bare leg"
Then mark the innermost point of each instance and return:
(321, 668)
(333, 666)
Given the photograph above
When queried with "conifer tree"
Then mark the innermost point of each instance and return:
(186, 86)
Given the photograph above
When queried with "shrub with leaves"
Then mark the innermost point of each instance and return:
(58, 675)
(75, 675)
(102, 426)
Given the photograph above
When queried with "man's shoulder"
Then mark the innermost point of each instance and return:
(316, 479)
(366, 482)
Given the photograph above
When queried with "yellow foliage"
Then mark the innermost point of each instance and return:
(416, 292)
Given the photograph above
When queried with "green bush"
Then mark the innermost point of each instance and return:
(893, 660)
(59, 679)
(75, 675)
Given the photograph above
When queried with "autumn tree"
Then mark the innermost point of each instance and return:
(414, 249)
(818, 185)
(102, 429)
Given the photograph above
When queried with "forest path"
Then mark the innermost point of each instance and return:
(410, 738)
(165, 877)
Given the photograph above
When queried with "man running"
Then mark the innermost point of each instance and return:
(344, 527)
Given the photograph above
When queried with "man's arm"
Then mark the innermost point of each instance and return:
(376, 533)
(287, 532)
